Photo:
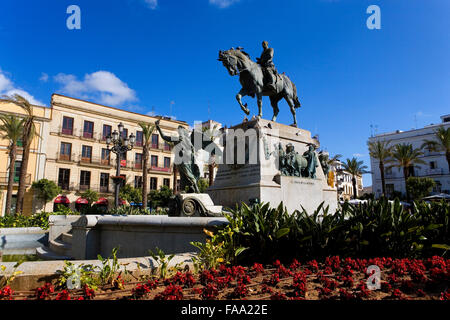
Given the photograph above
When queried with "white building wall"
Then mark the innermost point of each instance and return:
(440, 173)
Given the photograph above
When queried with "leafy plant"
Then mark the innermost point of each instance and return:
(46, 190)
(419, 187)
(163, 262)
(90, 195)
(71, 274)
(160, 198)
(6, 279)
(131, 194)
(110, 271)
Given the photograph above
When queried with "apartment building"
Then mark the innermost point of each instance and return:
(344, 183)
(436, 166)
(37, 160)
(77, 155)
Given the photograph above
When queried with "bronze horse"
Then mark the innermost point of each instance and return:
(251, 78)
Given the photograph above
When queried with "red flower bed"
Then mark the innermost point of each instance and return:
(334, 278)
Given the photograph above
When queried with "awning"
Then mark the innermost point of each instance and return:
(81, 201)
(121, 201)
(102, 201)
(62, 199)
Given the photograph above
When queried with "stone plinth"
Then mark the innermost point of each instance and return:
(257, 176)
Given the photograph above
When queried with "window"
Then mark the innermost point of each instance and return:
(139, 138)
(67, 127)
(104, 182)
(166, 162)
(64, 178)
(389, 189)
(155, 141)
(106, 156)
(85, 180)
(437, 187)
(138, 161)
(125, 133)
(389, 171)
(86, 154)
(138, 182)
(153, 183)
(17, 167)
(88, 131)
(107, 130)
(433, 165)
(65, 152)
(154, 161)
(166, 146)
(166, 182)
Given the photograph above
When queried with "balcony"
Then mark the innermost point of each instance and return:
(88, 135)
(95, 161)
(5, 175)
(159, 169)
(436, 171)
(67, 131)
(65, 157)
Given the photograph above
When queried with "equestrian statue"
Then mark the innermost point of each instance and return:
(260, 79)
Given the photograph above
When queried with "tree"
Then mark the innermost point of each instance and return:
(203, 184)
(147, 131)
(11, 129)
(46, 190)
(419, 188)
(356, 169)
(28, 134)
(90, 195)
(406, 157)
(381, 150)
(442, 143)
(131, 194)
(161, 197)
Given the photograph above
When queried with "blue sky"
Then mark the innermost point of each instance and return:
(160, 55)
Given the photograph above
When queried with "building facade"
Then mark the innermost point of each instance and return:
(435, 167)
(72, 150)
(344, 184)
(36, 162)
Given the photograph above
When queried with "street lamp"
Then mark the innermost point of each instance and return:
(120, 146)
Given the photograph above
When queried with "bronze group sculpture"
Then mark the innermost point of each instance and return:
(293, 164)
(260, 79)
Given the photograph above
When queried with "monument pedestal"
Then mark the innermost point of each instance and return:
(258, 175)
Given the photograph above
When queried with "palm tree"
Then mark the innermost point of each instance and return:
(356, 169)
(406, 157)
(11, 128)
(442, 144)
(28, 134)
(147, 131)
(381, 150)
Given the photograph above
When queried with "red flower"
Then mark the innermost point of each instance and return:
(44, 292)
(258, 268)
(278, 296)
(63, 295)
(172, 292)
(273, 280)
(140, 291)
(210, 292)
(6, 293)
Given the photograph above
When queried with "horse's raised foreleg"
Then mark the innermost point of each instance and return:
(239, 96)
(292, 106)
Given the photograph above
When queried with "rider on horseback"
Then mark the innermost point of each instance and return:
(268, 67)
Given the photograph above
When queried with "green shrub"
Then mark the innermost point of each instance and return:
(160, 198)
(419, 187)
(376, 228)
(19, 221)
(130, 194)
(45, 189)
(90, 195)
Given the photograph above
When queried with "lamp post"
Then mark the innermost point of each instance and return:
(120, 146)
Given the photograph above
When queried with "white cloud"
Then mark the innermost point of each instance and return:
(44, 77)
(7, 88)
(359, 155)
(103, 86)
(152, 4)
(223, 3)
